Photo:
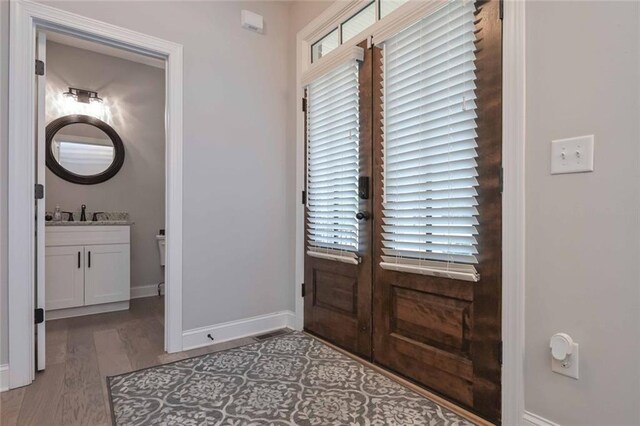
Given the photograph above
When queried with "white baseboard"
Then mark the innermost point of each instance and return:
(87, 310)
(197, 337)
(531, 419)
(4, 377)
(145, 291)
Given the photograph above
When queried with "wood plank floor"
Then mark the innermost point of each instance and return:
(81, 353)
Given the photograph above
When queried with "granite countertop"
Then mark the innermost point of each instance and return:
(104, 219)
(89, 223)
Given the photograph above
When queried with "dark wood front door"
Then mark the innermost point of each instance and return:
(337, 304)
(440, 332)
(443, 333)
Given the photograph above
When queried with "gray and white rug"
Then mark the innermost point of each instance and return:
(291, 379)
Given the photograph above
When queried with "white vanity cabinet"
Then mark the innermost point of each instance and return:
(87, 269)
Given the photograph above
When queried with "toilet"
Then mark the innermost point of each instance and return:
(162, 246)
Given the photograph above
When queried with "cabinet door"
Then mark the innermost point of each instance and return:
(64, 277)
(106, 273)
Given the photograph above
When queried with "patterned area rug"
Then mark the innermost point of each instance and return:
(291, 379)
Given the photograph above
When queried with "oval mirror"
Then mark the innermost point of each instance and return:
(83, 149)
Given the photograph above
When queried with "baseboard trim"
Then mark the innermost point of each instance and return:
(4, 377)
(197, 337)
(531, 419)
(87, 310)
(145, 291)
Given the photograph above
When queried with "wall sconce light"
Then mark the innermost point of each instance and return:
(82, 96)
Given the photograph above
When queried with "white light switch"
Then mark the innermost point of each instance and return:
(573, 155)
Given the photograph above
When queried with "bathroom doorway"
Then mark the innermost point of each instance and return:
(27, 169)
(101, 219)
(101, 163)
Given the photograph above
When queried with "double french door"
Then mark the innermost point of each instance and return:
(403, 211)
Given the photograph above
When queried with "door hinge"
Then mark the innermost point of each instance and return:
(302, 289)
(500, 352)
(501, 9)
(501, 180)
(39, 67)
(304, 197)
(304, 104)
(39, 191)
(38, 316)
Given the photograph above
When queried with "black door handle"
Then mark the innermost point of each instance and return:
(363, 215)
(78, 260)
(89, 260)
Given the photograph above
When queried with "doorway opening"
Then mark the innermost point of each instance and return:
(100, 240)
(26, 264)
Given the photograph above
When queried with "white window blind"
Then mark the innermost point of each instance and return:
(333, 164)
(429, 183)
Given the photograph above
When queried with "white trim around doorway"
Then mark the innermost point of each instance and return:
(513, 152)
(25, 18)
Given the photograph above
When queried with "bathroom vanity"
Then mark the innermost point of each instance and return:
(87, 268)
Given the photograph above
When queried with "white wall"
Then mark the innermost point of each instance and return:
(583, 230)
(133, 95)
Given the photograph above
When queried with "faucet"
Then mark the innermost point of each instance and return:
(83, 213)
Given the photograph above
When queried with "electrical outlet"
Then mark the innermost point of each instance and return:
(568, 367)
(573, 155)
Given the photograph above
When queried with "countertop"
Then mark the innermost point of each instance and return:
(90, 223)
(106, 219)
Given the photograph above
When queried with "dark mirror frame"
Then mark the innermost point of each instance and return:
(69, 176)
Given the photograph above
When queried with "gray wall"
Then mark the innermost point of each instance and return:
(582, 230)
(134, 95)
(236, 230)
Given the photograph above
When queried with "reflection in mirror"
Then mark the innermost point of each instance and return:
(83, 149)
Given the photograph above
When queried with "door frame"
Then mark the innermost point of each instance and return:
(513, 153)
(26, 17)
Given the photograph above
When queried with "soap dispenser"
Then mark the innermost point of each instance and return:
(57, 214)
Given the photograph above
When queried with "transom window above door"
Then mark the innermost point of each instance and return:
(352, 25)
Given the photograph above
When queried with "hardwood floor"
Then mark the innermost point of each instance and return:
(81, 353)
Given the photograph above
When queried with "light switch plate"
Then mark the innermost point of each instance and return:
(572, 155)
(571, 369)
